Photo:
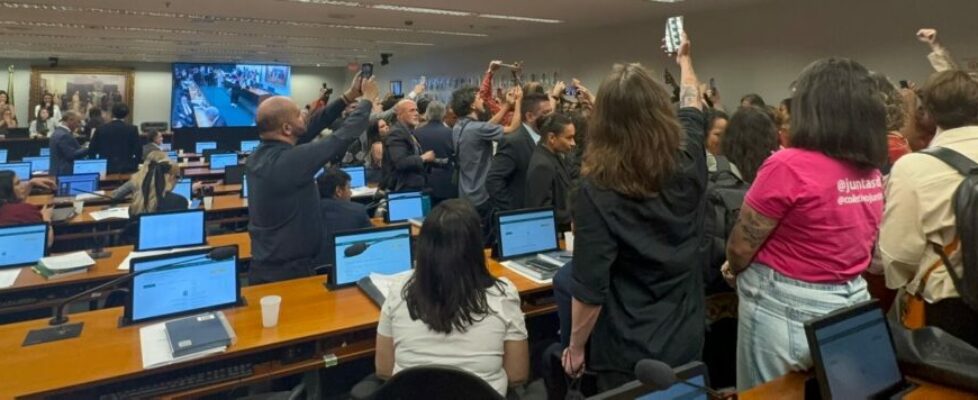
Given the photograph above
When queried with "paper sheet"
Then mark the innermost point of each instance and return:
(384, 282)
(124, 265)
(8, 277)
(364, 192)
(117, 212)
(156, 351)
(86, 196)
(68, 261)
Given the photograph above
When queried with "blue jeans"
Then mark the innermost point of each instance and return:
(773, 309)
(562, 296)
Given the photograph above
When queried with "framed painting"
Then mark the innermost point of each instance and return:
(80, 89)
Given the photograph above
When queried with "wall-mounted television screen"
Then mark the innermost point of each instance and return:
(220, 95)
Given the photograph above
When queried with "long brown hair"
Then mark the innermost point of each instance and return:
(634, 134)
(155, 178)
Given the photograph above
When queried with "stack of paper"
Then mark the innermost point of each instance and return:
(8, 277)
(117, 212)
(64, 265)
(155, 346)
(89, 196)
(124, 265)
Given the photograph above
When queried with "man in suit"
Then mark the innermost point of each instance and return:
(404, 162)
(118, 142)
(339, 213)
(548, 176)
(154, 142)
(65, 149)
(437, 137)
(507, 175)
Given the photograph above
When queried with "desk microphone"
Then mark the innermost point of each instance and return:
(112, 200)
(61, 330)
(661, 376)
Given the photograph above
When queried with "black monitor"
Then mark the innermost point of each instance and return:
(358, 176)
(185, 283)
(76, 184)
(249, 146)
(3, 155)
(200, 147)
(39, 164)
(358, 253)
(233, 174)
(22, 245)
(220, 160)
(21, 169)
(526, 232)
(171, 229)
(96, 166)
(694, 373)
(406, 206)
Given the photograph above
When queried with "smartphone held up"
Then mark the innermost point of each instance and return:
(674, 34)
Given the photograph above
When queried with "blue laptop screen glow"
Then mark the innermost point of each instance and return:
(198, 283)
(166, 146)
(201, 146)
(90, 166)
(173, 155)
(679, 391)
(249, 146)
(405, 206)
(385, 251)
(858, 357)
(358, 176)
(219, 161)
(169, 230)
(21, 169)
(526, 233)
(183, 188)
(45, 151)
(73, 185)
(22, 245)
(244, 186)
(39, 164)
(3, 155)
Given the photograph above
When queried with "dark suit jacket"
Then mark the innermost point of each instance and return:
(338, 216)
(507, 175)
(437, 137)
(548, 180)
(403, 168)
(65, 149)
(118, 142)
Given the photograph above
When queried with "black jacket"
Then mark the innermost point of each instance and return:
(65, 149)
(548, 180)
(117, 142)
(507, 175)
(403, 168)
(437, 137)
(338, 216)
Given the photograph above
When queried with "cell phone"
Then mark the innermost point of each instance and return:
(325, 86)
(713, 84)
(904, 85)
(674, 30)
(571, 90)
(366, 70)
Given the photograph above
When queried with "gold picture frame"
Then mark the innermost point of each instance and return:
(80, 88)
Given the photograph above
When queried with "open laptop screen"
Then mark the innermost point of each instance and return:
(221, 160)
(21, 169)
(201, 146)
(22, 244)
(39, 163)
(359, 253)
(525, 232)
(91, 166)
(407, 205)
(73, 185)
(184, 282)
(172, 229)
(358, 176)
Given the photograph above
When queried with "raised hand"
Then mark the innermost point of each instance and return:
(927, 35)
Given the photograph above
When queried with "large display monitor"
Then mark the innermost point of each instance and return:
(221, 95)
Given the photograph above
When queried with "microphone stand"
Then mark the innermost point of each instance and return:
(99, 251)
(60, 329)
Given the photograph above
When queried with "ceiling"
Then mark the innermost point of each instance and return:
(298, 32)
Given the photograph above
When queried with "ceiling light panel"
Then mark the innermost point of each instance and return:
(430, 11)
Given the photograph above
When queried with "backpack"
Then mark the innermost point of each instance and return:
(725, 194)
(965, 204)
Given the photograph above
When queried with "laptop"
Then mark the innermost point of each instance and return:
(3, 156)
(407, 206)
(45, 151)
(170, 230)
(40, 165)
(220, 160)
(22, 245)
(21, 169)
(358, 180)
(358, 253)
(187, 282)
(172, 155)
(233, 174)
(200, 147)
(854, 356)
(91, 166)
(184, 187)
(73, 185)
(166, 146)
(527, 240)
(694, 373)
(249, 146)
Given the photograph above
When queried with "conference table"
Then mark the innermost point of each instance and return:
(792, 386)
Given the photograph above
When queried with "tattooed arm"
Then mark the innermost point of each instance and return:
(747, 236)
(689, 86)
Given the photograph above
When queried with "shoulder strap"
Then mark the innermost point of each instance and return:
(461, 131)
(946, 261)
(961, 163)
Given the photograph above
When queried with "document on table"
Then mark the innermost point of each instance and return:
(117, 212)
(124, 265)
(8, 277)
(155, 347)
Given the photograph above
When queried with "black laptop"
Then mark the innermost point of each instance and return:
(854, 355)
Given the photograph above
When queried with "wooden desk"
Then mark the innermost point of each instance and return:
(202, 173)
(221, 188)
(792, 386)
(106, 354)
(221, 204)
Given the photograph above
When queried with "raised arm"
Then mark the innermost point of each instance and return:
(939, 57)
(325, 117)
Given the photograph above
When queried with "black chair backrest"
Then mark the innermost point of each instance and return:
(234, 174)
(436, 382)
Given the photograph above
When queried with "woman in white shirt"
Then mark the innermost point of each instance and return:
(451, 310)
(47, 102)
(43, 125)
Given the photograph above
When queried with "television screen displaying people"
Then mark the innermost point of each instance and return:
(221, 95)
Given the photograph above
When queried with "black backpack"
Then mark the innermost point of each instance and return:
(725, 194)
(965, 204)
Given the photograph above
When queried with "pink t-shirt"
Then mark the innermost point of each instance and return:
(828, 214)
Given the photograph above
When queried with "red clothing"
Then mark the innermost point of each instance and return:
(897, 146)
(19, 213)
(485, 93)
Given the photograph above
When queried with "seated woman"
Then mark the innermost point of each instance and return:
(13, 209)
(451, 310)
(7, 119)
(152, 190)
(43, 126)
(135, 182)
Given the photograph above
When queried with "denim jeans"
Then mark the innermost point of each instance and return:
(773, 309)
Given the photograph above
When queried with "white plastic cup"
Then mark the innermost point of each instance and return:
(79, 206)
(179, 152)
(269, 310)
(569, 241)
(208, 202)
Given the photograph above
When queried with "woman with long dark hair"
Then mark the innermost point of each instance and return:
(451, 310)
(14, 210)
(810, 220)
(751, 137)
(638, 216)
(47, 103)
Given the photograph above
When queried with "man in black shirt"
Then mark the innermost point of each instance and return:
(117, 142)
(283, 202)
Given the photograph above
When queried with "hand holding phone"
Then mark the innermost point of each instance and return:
(366, 71)
(673, 36)
(904, 84)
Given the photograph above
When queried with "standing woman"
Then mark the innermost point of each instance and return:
(809, 222)
(637, 277)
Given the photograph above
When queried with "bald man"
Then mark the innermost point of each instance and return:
(404, 164)
(283, 201)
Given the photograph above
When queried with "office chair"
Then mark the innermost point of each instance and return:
(428, 382)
